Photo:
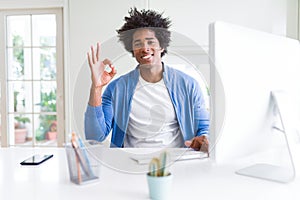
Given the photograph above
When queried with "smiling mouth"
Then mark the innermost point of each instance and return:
(147, 56)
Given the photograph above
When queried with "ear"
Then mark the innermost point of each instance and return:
(162, 49)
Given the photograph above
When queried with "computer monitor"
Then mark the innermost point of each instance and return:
(246, 66)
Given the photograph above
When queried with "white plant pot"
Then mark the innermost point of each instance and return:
(159, 186)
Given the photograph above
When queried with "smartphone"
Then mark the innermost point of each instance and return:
(36, 159)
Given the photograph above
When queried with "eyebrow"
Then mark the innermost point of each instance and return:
(138, 40)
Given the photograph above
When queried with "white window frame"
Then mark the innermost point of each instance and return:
(298, 19)
(59, 76)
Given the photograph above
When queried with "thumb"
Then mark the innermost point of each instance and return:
(188, 143)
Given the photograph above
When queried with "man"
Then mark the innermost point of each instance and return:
(153, 105)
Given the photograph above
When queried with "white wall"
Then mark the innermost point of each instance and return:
(28, 4)
(293, 22)
(87, 22)
(98, 20)
(192, 17)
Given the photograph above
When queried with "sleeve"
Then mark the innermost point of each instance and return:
(201, 113)
(98, 120)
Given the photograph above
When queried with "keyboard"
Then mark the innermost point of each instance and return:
(175, 155)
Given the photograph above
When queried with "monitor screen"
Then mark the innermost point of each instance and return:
(246, 65)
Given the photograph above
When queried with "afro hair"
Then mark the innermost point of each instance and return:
(145, 19)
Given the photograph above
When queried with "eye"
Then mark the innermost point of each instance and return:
(137, 45)
(151, 42)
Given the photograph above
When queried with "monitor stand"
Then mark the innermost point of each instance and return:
(273, 172)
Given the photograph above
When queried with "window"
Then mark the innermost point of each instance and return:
(32, 112)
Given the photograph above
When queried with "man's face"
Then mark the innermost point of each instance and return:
(146, 47)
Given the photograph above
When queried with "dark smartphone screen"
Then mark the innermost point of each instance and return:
(36, 159)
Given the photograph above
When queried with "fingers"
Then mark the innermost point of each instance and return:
(199, 143)
(108, 67)
(204, 146)
(196, 145)
(94, 55)
(188, 143)
(107, 62)
(192, 143)
(113, 71)
(98, 50)
(89, 59)
(94, 59)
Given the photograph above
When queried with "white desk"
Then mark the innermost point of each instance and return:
(202, 178)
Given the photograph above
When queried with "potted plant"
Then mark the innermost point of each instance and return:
(52, 132)
(159, 178)
(48, 123)
(20, 129)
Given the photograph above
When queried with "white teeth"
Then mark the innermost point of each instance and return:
(147, 56)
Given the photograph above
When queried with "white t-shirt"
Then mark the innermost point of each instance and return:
(152, 120)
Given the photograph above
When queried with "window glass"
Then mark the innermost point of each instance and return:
(18, 31)
(21, 127)
(44, 30)
(21, 94)
(31, 79)
(45, 96)
(45, 129)
(44, 64)
(19, 63)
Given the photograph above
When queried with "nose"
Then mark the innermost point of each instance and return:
(145, 47)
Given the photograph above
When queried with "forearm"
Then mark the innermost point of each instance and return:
(98, 118)
(95, 96)
(93, 125)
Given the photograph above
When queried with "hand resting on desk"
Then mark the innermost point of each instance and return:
(199, 143)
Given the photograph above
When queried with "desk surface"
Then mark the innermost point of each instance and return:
(192, 178)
